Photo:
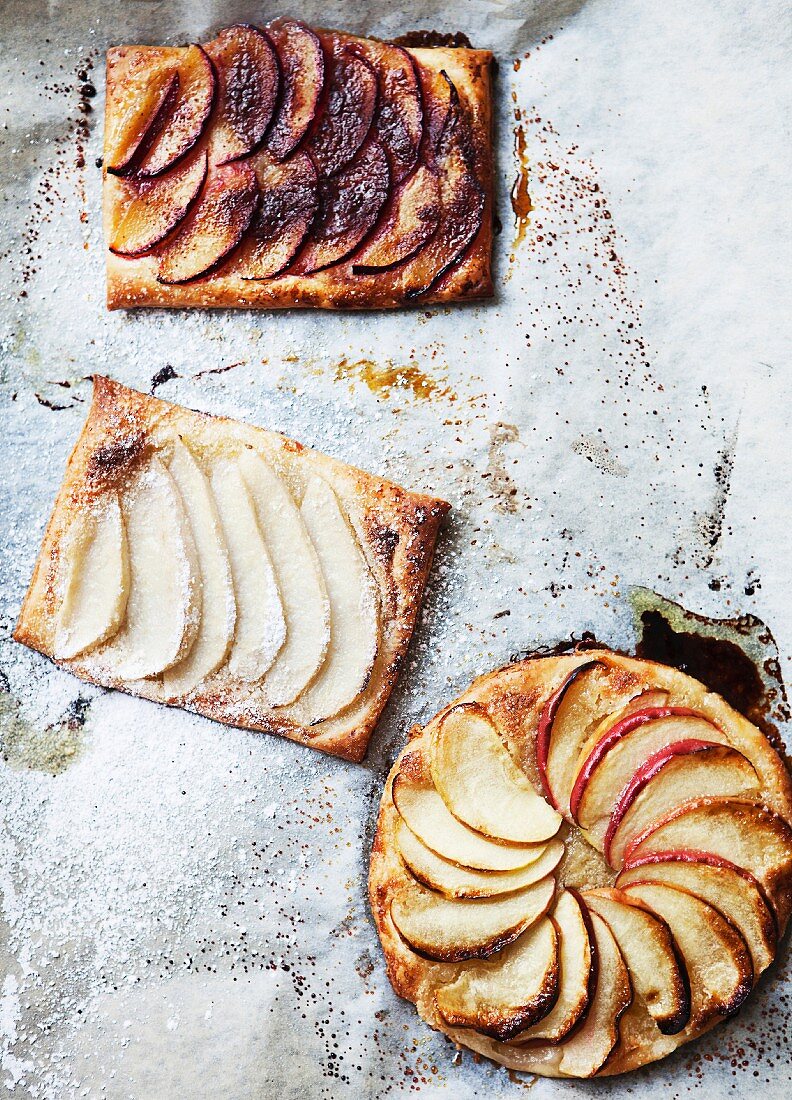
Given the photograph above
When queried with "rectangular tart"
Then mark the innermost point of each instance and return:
(283, 167)
(209, 564)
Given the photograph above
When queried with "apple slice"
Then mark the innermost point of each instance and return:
(656, 966)
(424, 812)
(215, 226)
(578, 972)
(260, 623)
(563, 726)
(185, 119)
(354, 607)
(679, 772)
(398, 122)
(148, 96)
(248, 81)
(586, 1051)
(480, 783)
(302, 589)
(152, 209)
(716, 956)
(349, 205)
(163, 612)
(440, 98)
(409, 221)
(218, 614)
(289, 199)
(732, 892)
(626, 745)
(458, 882)
(95, 586)
(746, 834)
(302, 80)
(345, 119)
(502, 997)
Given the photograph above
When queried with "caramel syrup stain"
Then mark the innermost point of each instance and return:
(387, 378)
(520, 197)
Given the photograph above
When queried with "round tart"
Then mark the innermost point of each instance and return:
(582, 863)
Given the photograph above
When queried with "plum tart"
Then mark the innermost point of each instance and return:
(582, 863)
(284, 166)
(216, 566)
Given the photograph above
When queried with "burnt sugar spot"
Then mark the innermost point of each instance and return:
(163, 375)
(520, 196)
(387, 378)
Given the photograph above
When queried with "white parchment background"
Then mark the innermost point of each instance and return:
(183, 906)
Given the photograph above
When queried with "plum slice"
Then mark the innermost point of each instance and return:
(148, 97)
(154, 208)
(248, 79)
(348, 112)
(410, 219)
(349, 205)
(215, 226)
(398, 122)
(289, 198)
(302, 67)
(186, 119)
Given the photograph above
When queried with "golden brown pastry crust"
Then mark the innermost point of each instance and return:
(513, 697)
(133, 282)
(396, 530)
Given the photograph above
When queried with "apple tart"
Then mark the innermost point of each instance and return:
(202, 562)
(582, 863)
(289, 167)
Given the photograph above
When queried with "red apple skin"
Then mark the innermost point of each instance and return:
(643, 775)
(185, 122)
(302, 64)
(164, 104)
(546, 720)
(612, 736)
(192, 173)
(248, 82)
(346, 116)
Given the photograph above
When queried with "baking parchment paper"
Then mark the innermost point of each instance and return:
(183, 905)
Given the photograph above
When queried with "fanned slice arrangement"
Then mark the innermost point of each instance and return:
(582, 863)
(201, 562)
(282, 166)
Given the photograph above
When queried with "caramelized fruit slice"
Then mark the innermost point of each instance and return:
(732, 892)
(302, 80)
(410, 219)
(425, 813)
(300, 583)
(218, 610)
(716, 956)
(95, 587)
(458, 882)
(214, 227)
(577, 974)
(480, 783)
(248, 80)
(656, 967)
(185, 120)
(142, 100)
(439, 96)
(398, 122)
(354, 610)
(502, 997)
(348, 111)
(678, 773)
(153, 208)
(349, 205)
(289, 198)
(451, 931)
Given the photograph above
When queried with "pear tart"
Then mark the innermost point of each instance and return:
(284, 166)
(582, 863)
(202, 562)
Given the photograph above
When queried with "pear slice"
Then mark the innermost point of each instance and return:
(460, 882)
(424, 812)
(354, 625)
(451, 931)
(164, 606)
(96, 585)
(501, 997)
(302, 590)
(480, 783)
(218, 613)
(260, 625)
